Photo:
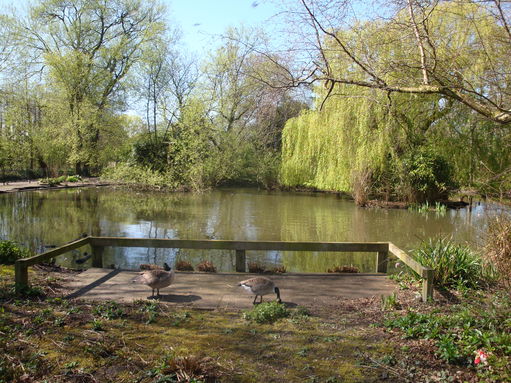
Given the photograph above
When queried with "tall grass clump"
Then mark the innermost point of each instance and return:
(498, 247)
(454, 264)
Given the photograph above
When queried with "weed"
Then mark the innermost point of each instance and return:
(267, 312)
(97, 325)
(183, 266)
(206, 266)
(343, 269)
(191, 369)
(10, 251)
(254, 267)
(454, 264)
(390, 302)
(498, 247)
(109, 310)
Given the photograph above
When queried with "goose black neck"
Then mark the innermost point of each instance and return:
(166, 267)
(277, 291)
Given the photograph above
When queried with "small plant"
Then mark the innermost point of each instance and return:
(183, 266)
(97, 325)
(190, 369)
(278, 269)
(109, 310)
(207, 267)
(254, 267)
(343, 269)
(10, 251)
(75, 178)
(267, 312)
(454, 264)
(49, 181)
(390, 302)
(498, 247)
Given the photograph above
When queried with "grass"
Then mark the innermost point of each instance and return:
(498, 247)
(48, 338)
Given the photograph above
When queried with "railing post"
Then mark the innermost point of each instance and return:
(240, 261)
(381, 261)
(97, 256)
(20, 276)
(427, 284)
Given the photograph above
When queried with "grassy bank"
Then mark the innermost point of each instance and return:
(46, 338)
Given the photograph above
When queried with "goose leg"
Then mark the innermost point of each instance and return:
(152, 295)
(261, 301)
(254, 302)
(158, 293)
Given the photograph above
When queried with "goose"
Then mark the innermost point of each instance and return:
(156, 279)
(260, 286)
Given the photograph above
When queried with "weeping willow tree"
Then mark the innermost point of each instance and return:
(373, 142)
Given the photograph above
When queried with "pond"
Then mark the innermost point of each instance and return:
(42, 219)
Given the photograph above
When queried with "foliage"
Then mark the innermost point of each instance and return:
(266, 312)
(10, 251)
(498, 247)
(50, 181)
(429, 175)
(454, 264)
(136, 175)
(462, 331)
(206, 266)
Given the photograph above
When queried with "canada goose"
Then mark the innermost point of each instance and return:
(260, 286)
(156, 279)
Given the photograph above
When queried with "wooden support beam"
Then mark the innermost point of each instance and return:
(20, 276)
(382, 261)
(427, 284)
(97, 256)
(241, 261)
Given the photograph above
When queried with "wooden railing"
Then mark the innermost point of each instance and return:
(240, 247)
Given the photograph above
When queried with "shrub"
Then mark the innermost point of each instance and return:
(343, 269)
(49, 181)
(278, 270)
(206, 266)
(183, 266)
(10, 251)
(454, 264)
(267, 312)
(498, 247)
(254, 267)
(74, 178)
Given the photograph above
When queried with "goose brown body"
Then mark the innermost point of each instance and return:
(260, 286)
(156, 279)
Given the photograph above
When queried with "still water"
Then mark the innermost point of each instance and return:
(42, 219)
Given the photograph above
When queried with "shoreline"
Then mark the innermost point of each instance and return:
(31, 185)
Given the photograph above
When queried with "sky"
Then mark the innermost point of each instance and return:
(201, 20)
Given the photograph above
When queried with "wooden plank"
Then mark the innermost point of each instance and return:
(382, 261)
(240, 245)
(241, 261)
(408, 260)
(54, 252)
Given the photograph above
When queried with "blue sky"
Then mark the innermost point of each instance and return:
(200, 20)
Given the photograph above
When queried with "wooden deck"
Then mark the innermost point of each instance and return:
(220, 290)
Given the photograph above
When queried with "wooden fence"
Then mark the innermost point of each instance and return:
(382, 249)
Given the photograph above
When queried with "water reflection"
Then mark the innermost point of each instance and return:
(45, 218)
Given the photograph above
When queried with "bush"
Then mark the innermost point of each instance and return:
(74, 178)
(183, 266)
(343, 269)
(206, 266)
(10, 251)
(498, 247)
(428, 175)
(49, 181)
(267, 312)
(136, 175)
(454, 264)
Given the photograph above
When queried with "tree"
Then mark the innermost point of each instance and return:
(87, 49)
(456, 49)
